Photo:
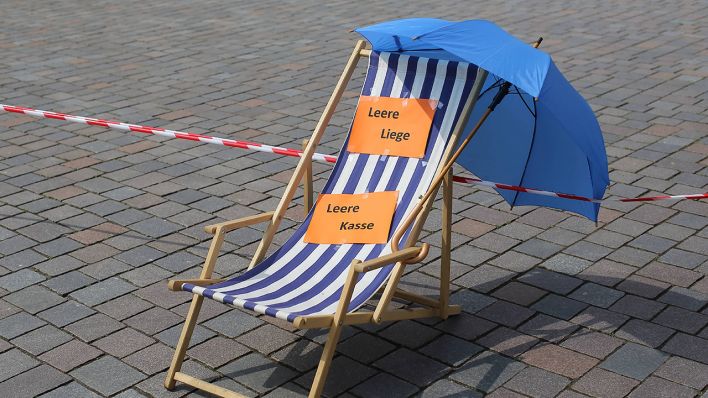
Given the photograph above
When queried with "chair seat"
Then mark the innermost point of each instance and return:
(307, 279)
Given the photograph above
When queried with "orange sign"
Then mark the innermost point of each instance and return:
(392, 126)
(352, 218)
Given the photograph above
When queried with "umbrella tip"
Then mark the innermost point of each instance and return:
(352, 30)
(538, 42)
(415, 37)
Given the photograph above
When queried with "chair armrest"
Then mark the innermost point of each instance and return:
(227, 226)
(400, 255)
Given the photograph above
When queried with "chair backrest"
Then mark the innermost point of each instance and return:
(320, 269)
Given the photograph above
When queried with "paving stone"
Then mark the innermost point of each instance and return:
(487, 371)
(508, 314)
(412, 367)
(466, 326)
(34, 382)
(566, 264)
(153, 320)
(559, 360)
(470, 301)
(684, 371)
(14, 363)
(598, 345)
(601, 383)
(217, 351)
(637, 307)
(17, 324)
(171, 336)
(641, 286)
(597, 295)
(519, 293)
(446, 388)
(559, 306)
(686, 298)
(70, 355)
(20, 279)
(536, 382)
(688, 346)
(409, 334)
(233, 323)
(103, 291)
(607, 272)
(367, 348)
(257, 372)
(383, 385)
(93, 327)
(484, 278)
(65, 313)
(107, 375)
(447, 349)
(508, 341)
(123, 342)
(553, 281)
(635, 361)
(34, 299)
(152, 359)
(548, 328)
(41, 340)
(67, 283)
(72, 389)
(656, 387)
(643, 332)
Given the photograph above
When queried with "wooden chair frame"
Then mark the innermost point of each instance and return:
(382, 313)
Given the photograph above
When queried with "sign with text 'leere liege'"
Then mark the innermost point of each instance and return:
(352, 218)
(392, 126)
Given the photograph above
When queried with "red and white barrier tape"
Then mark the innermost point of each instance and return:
(164, 133)
(317, 157)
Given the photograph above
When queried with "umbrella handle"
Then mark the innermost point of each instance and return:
(503, 90)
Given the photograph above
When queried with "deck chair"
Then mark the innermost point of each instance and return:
(324, 286)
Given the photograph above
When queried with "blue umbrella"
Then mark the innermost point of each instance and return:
(541, 135)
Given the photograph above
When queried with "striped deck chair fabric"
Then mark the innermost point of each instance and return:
(306, 279)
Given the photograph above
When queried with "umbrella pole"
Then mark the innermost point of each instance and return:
(503, 91)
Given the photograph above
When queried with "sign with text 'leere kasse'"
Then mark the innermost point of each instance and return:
(392, 126)
(352, 218)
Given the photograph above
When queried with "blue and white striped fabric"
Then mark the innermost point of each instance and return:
(307, 279)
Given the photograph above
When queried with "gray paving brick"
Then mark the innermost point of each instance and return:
(688, 346)
(72, 389)
(15, 362)
(596, 295)
(102, 291)
(634, 361)
(412, 367)
(34, 382)
(686, 298)
(257, 372)
(537, 382)
(20, 280)
(65, 313)
(41, 340)
(107, 375)
(658, 387)
(67, 283)
(559, 306)
(17, 324)
(447, 349)
(446, 388)
(93, 327)
(487, 371)
(553, 281)
(384, 385)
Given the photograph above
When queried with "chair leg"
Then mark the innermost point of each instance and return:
(325, 361)
(184, 339)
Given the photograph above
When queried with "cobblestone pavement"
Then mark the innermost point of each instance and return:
(93, 222)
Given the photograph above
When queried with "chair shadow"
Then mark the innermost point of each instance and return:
(496, 365)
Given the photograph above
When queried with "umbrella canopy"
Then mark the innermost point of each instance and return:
(543, 135)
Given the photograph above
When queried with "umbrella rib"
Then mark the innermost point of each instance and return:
(528, 157)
